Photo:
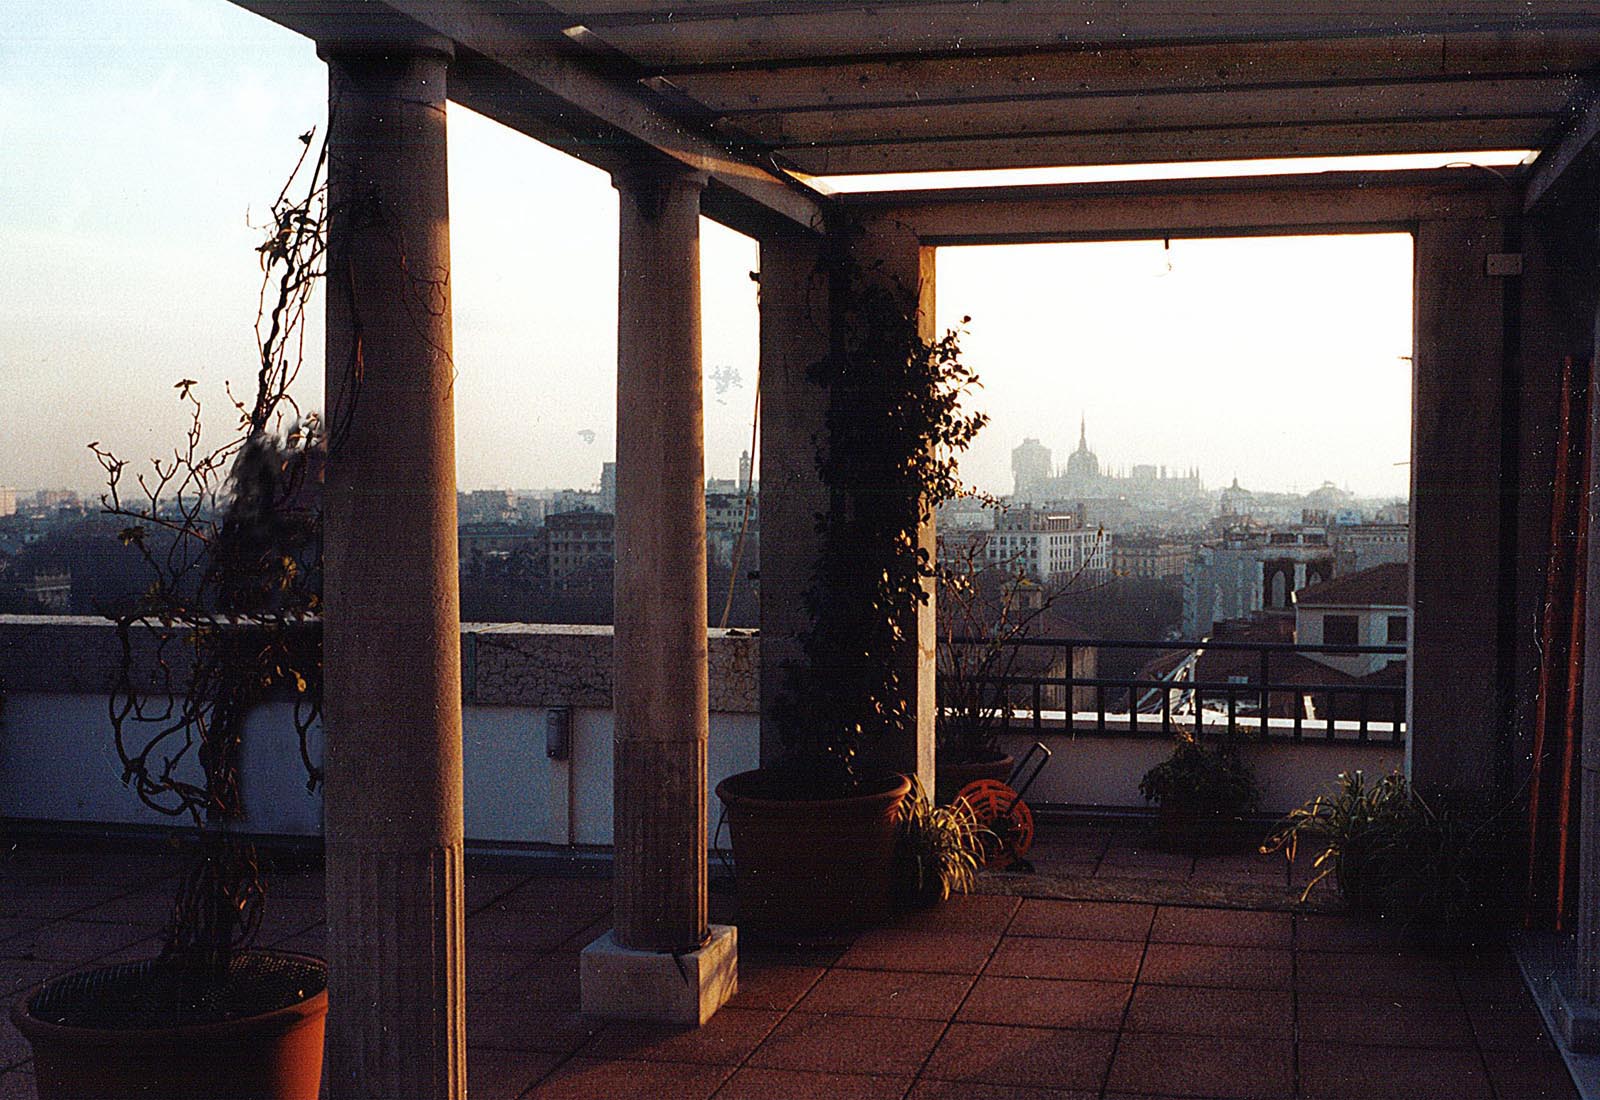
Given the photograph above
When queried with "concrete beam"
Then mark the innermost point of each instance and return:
(1330, 202)
(512, 67)
(1555, 160)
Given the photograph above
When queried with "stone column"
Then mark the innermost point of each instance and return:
(794, 334)
(1457, 659)
(392, 627)
(661, 962)
(887, 249)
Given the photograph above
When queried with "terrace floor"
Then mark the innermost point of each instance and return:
(1115, 971)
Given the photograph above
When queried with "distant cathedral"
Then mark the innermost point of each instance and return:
(1037, 481)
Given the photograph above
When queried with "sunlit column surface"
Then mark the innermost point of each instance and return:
(661, 699)
(393, 677)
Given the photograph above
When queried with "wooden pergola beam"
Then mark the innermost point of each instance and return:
(1324, 203)
(1061, 70)
(526, 81)
(660, 35)
(1170, 145)
(1556, 158)
(1409, 100)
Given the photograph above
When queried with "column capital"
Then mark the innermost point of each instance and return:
(373, 48)
(652, 183)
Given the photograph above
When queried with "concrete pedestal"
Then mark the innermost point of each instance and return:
(660, 986)
(1577, 1020)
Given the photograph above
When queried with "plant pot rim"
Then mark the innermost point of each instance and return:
(733, 791)
(276, 1021)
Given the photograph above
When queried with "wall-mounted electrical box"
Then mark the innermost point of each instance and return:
(558, 733)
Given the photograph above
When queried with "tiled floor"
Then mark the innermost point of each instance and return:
(1121, 992)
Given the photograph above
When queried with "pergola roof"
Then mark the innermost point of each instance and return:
(767, 92)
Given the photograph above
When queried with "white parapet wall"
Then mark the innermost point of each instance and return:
(58, 762)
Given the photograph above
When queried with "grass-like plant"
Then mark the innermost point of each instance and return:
(1437, 866)
(938, 851)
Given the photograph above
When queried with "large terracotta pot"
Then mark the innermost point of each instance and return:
(950, 778)
(809, 870)
(275, 1055)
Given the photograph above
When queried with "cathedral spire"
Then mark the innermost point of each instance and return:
(1083, 432)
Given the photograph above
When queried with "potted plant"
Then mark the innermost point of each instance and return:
(1202, 793)
(938, 851)
(230, 539)
(1437, 869)
(813, 835)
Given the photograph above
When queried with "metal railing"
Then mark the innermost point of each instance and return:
(1343, 708)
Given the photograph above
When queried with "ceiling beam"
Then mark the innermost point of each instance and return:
(667, 35)
(1555, 159)
(1125, 70)
(523, 79)
(1343, 202)
(1542, 97)
(1168, 146)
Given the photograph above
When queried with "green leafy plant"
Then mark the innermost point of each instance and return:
(1436, 866)
(938, 850)
(894, 426)
(1200, 786)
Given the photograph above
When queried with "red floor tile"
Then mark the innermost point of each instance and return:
(1229, 927)
(1384, 1021)
(1513, 1025)
(1318, 932)
(1046, 1002)
(773, 985)
(751, 1083)
(726, 1039)
(504, 1074)
(1344, 1072)
(848, 1044)
(1192, 1065)
(968, 913)
(1223, 967)
(1086, 960)
(949, 952)
(1022, 1056)
(1374, 974)
(1537, 1074)
(500, 1022)
(974, 1090)
(586, 1079)
(1082, 919)
(1230, 1013)
(902, 994)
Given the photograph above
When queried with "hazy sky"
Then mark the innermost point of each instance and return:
(138, 134)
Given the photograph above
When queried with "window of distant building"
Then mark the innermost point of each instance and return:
(1338, 630)
(1397, 629)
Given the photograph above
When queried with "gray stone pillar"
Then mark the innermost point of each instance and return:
(794, 334)
(889, 250)
(1455, 672)
(392, 637)
(661, 961)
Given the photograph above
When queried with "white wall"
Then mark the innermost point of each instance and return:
(58, 763)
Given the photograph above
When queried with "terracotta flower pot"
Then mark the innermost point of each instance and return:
(274, 1055)
(811, 869)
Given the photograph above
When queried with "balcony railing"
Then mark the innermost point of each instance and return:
(1341, 708)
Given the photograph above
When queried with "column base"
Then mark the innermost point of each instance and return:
(621, 984)
(1577, 1020)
